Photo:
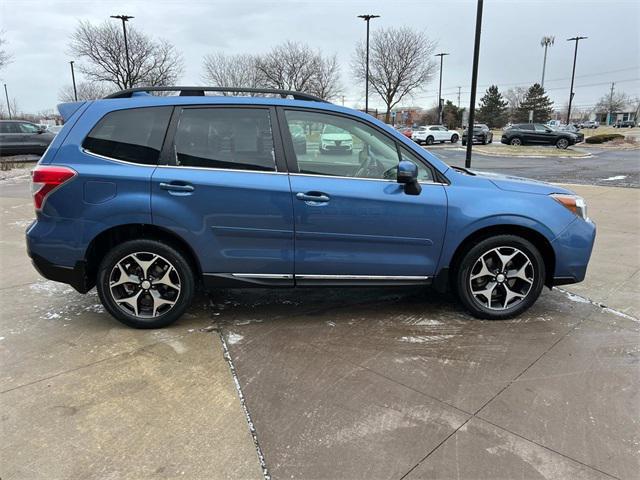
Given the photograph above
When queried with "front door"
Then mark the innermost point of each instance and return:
(223, 191)
(353, 221)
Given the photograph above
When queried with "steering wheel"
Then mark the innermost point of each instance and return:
(370, 168)
(391, 173)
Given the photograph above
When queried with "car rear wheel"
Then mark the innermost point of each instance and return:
(429, 140)
(454, 138)
(562, 143)
(500, 277)
(145, 283)
(515, 141)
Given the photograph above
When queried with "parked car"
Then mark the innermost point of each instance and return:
(538, 134)
(430, 134)
(298, 138)
(335, 139)
(481, 133)
(18, 137)
(589, 124)
(624, 124)
(146, 197)
(571, 129)
(55, 129)
(406, 131)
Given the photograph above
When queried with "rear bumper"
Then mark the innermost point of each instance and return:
(75, 276)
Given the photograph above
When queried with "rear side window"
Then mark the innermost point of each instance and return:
(228, 138)
(133, 135)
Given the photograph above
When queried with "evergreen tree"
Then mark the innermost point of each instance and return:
(535, 100)
(452, 115)
(493, 108)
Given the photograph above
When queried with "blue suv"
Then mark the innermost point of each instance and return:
(148, 197)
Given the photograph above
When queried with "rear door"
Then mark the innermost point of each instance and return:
(528, 132)
(353, 222)
(9, 136)
(222, 186)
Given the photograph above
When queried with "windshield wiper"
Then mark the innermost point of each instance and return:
(463, 170)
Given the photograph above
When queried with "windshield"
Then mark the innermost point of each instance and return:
(334, 129)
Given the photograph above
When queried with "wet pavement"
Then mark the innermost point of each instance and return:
(336, 383)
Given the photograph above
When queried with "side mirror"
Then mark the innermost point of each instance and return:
(41, 129)
(408, 175)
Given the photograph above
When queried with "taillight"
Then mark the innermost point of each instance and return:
(45, 179)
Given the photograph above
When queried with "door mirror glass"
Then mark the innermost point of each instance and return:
(408, 175)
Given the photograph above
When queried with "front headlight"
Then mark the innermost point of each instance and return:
(574, 203)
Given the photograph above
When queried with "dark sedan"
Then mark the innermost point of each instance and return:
(571, 129)
(538, 134)
(481, 133)
(18, 137)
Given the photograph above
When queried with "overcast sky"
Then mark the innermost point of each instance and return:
(37, 34)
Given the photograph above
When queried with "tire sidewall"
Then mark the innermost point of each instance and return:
(515, 144)
(463, 290)
(562, 143)
(177, 259)
(429, 141)
(454, 138)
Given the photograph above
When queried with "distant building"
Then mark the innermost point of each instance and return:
(629, 112)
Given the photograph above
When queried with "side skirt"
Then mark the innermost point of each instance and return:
(246, 280)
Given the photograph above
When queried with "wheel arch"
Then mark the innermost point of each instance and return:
(446, 274)
(112, 236)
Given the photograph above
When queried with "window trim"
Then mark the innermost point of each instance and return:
(292, 159)
(167, 157)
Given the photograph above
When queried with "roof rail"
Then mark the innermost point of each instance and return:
(199, 91)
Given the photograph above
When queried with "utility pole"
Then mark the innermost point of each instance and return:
(573, 74)
(7, 97)
(545, 42)
(125, 19)
(474, 83)
(367, 18)
(610, 112)
(441, 55)
(73, 79)
(459, 97)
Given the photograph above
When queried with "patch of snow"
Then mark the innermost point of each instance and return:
(234, 338)
(617, 177)
(2, 338)
(425, 338)
(576, 298)
(21, 223)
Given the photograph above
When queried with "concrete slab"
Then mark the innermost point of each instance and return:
(164, 411)
(581, 398)
(481, 451)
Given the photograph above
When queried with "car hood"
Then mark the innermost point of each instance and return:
(518, 184)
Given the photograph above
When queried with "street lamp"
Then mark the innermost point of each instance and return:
(7, 97)
(125, 19)
(474, 83)
(545, 42)
(73, 79)
(573, 73)
(441, 55)
(367, 18)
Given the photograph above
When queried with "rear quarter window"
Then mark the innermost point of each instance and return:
(132, 135)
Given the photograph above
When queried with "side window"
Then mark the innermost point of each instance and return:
(326, 144)
(28, 128)
(230, 138)
(8, 127)
(424, 174)
(133, 135)
(540, 128)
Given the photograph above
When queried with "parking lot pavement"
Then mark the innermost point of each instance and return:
(339, 383)
(82, 396)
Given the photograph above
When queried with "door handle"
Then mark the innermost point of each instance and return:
(176, 187)
(313, 197)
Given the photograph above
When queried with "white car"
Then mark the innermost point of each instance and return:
(335, 139)
(430, 134)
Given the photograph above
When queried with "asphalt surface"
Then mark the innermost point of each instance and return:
(320, 383)
(607, 167)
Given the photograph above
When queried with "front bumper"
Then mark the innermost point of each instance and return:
(573, 249)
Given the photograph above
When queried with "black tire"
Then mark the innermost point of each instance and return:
(484, 140)
(491, 139)
(516, 141)
(562, 143)
(454, 138)
(515, 306)
(167, 254)
(429, 140)
(464, 142)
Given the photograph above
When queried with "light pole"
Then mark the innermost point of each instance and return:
(545, 42)
(125, 19)
(474, 84)
(7, 97)
(367, 18)
(441, 55)
(573, 73)
(73, 79)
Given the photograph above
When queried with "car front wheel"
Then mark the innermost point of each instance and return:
(145, 283)
(500, 277)
(429, 140)
(515, 141)
(454, 138)
(562, 143)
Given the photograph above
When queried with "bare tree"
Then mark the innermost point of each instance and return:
(400, 62)
(153, 63)
(612, 102)
(86, 91)
(5, 57)
(222, 70)
(326, 82)
(514, 96)
(289, 66)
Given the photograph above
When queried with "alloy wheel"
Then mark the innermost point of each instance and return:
(144, 284)
(501, 278)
